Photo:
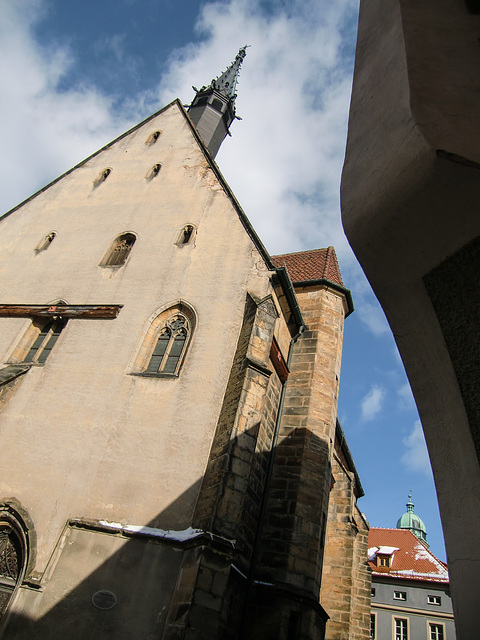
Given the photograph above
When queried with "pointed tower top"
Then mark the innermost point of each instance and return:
(227, 82)
(213, 108)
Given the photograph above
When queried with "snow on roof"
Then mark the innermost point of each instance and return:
(410, 557)
(387, 551)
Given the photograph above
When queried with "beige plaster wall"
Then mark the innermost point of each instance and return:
(79, 436)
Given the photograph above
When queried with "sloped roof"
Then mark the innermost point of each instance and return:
(410, 558)
(316, 264)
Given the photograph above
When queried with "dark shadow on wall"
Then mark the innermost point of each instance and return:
(125, 583)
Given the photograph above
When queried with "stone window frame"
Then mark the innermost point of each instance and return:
(400, 595)
(116, 256)
(181, 239)
(45, 242)
(157, 322)
(33, 333)
(434, 599)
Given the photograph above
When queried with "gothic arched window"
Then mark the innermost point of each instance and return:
(170, 346)
(119, 251)
(13, 557)
(165, 344)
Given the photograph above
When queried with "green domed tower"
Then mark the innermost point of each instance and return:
(411, 521)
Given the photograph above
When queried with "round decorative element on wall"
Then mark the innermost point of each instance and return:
(104, 599)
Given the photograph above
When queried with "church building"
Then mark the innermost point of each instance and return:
(172, 463)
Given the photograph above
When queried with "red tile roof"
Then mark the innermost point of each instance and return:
(316, 264)
(410, 558)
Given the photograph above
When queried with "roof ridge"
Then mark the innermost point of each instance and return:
(296, 253)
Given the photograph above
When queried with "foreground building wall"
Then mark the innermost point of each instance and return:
(410, 202)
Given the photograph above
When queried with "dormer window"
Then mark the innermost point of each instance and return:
(383, 561)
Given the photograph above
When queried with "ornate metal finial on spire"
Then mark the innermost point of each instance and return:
(213, 108)
(227, 82)
(410, 504)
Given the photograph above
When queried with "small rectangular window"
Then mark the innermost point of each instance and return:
(373, 626)
(400, 595)
(434, 600)
(372, 593)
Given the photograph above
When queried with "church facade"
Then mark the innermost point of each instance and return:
(169, 443)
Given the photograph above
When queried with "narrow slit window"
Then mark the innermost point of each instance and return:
(154, 171)
(118, 253)
(153, 137)
(186, 235)
(102, 176)
(45, 242)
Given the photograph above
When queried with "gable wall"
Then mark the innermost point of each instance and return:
(79, 436)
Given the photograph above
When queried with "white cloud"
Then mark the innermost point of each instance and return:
(284, 160)
(47, 130)
(416, 457)
(372, 403)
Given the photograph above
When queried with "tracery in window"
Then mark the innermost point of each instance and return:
(153, 137)
(117, 254)
(13, 556)
(166, 342)
(45, 242)
(170, 346)
(185, 235)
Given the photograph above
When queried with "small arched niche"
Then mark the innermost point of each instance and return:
(45, 242)
(185, 235)
(119, 250)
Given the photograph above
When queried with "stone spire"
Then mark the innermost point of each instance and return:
(213, 108)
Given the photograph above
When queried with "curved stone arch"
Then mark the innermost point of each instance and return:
(17, 549)
(150, 335)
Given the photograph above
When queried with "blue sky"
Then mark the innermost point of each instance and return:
(75, 75)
